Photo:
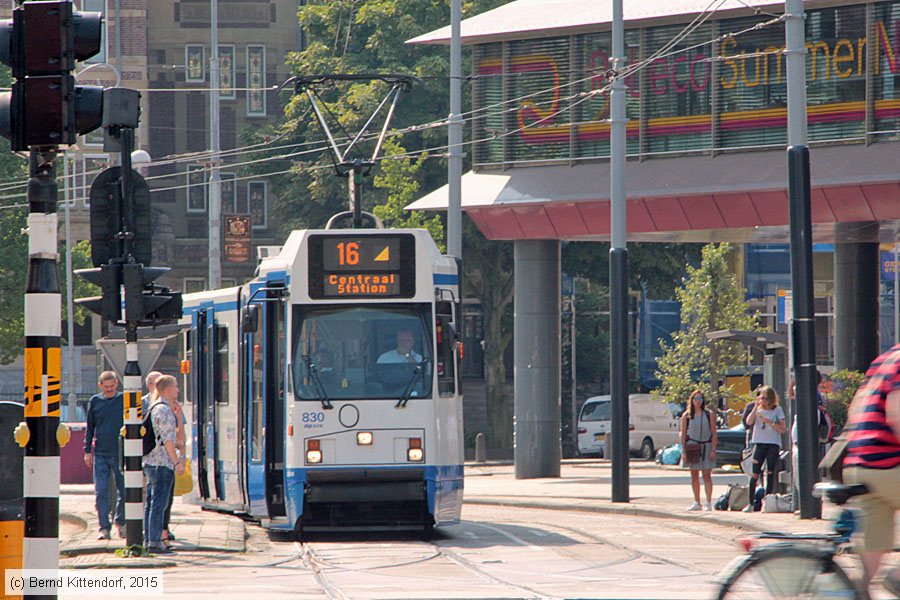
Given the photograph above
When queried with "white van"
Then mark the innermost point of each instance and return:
(652, 424)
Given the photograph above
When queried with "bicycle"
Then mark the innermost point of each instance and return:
(800, 565)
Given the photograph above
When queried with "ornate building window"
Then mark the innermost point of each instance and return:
(256, 81)
(195, 64)
(257, 197)
(226, 73)
(196, 189)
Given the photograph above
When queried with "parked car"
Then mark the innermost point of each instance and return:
(732, 442)
(593, 424)
(652, 424)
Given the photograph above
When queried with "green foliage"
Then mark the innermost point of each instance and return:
(592, 334)
(843, 386)
(711, 299)
(398, 178)
(653, 267)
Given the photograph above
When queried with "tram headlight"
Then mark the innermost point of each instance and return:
(313, 452)
(415, 453)
(364, 438)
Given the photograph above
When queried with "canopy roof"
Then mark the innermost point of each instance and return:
(546, 18)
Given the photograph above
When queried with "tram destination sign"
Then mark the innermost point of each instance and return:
(362, 266)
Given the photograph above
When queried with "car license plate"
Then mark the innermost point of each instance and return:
(598, 437)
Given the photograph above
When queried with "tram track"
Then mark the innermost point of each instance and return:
(339, 567)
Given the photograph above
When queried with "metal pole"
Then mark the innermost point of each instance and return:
(803, 328)
(70, 309)
(455, 136)
(41, 433)
(131, 398)
(573, 364)
(118, 41)
(618, 267)
(215, 182)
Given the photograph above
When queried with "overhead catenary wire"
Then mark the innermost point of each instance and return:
(515, 105)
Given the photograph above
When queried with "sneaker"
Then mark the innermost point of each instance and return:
(694, 507)
(154, 549)
(708, 507)
(104, 534)
(120, 531)
(748, 508)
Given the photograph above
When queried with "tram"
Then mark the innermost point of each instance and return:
(324, 394)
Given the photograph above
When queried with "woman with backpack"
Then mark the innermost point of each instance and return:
(767, 419)
(698, 443)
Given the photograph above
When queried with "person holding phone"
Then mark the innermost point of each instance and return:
(767, 419)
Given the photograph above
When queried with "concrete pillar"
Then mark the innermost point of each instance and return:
(537, 360)
(856, 281)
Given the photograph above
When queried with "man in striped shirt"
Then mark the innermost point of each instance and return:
(873, 459)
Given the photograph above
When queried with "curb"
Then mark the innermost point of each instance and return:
(73, 519)
(82, 550)
(620, 510)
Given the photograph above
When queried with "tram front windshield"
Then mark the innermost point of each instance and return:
(356, 353)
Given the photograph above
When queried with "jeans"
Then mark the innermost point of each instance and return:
(159, 488)
(104, 466)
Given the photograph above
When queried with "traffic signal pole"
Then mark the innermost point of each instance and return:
(132, 405)
(42, 433)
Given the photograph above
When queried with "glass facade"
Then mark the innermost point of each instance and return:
(721, 87)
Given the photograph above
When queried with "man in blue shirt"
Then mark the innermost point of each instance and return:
(101, 450)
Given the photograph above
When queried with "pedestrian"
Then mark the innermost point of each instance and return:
(698, 442)
(873, 459)
(180, 449)
(150, 380)
(101, 451)
(767, 419)
(161, 464)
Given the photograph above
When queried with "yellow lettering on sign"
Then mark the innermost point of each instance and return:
(843, 53)
(728, 84)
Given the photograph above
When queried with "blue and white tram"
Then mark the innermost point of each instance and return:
(324, 393)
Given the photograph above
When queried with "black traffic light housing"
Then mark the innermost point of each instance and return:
(41, 43)
(145, 303)
(109, 279)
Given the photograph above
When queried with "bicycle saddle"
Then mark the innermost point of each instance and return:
(840, 493)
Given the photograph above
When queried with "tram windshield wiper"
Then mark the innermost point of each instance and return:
(418, 372)
(314, 375)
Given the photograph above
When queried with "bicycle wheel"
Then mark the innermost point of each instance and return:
(789, 571)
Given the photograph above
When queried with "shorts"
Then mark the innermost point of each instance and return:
(878, 506)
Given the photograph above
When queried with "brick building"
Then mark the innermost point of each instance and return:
(164, 51)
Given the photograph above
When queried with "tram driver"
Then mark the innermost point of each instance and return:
(404, 352)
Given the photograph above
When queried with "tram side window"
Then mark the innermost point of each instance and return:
(221, 368)
(257, 374)
(446, 371)
(188, 393)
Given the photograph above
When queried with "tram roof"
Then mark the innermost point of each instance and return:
(547, 18)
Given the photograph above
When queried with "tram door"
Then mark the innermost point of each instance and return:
(265, 360)
(274, 324)
(207, 376)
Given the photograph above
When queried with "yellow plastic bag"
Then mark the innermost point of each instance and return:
(184, 483)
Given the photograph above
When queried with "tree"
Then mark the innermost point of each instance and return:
(397, 178)
(13, 248)
(489, 277)
(711, 299)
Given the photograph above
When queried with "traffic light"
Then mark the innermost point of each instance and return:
(41, 44)
(109, 279)
(146, 302)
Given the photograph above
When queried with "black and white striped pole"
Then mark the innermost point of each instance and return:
(134, 447)
(42, 433)
(134, 473)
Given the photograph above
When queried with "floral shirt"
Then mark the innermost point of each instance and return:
(164, 425)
